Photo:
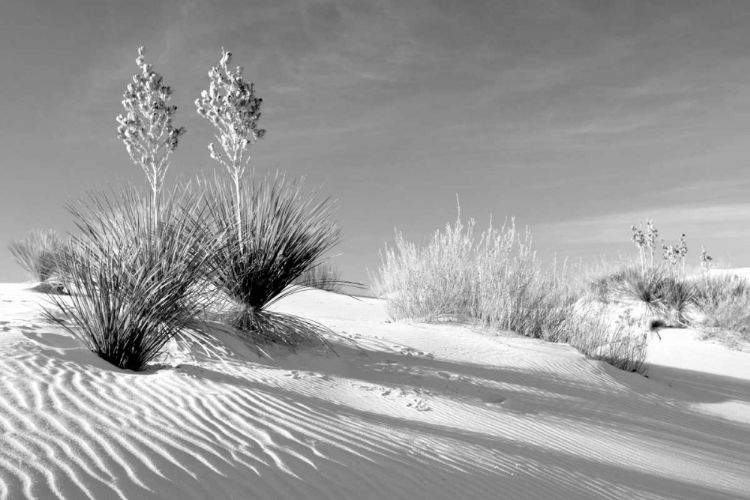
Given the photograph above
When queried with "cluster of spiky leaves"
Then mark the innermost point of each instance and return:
(661, 293)
(133, 282)
(146, 128)
(37, 253)
(285, 233)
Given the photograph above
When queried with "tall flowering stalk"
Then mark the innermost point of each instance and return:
(639, 238)
(146, 127)
(682, 250)
(231, 106)
(705, 260)
(651, 235)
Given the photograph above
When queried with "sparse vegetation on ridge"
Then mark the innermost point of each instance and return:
(497, 282)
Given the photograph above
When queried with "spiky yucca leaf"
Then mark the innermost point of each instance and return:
(37, 253)
(648, 286)
(136, 285)
(284, 233)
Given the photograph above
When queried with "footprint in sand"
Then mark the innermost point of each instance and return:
(293, 374)
(298, 375)
(409, 351)
(419, 404)
(494, 399)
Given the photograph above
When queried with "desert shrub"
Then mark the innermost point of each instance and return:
(619, 343)
(498, 283)
(724, 299)
(37, 253)
(429, 283)
(324, 276)
(605, 281)
(664, 295)
(135, 282)
(284, 233)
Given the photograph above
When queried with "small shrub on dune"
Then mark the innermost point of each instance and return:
(499, 284)
(284, 234)
(660, 292)
(725, 301)
(37, 253)
(620, 343)
(496, 281)
(429, 283)
(134, 280)
(602, 280)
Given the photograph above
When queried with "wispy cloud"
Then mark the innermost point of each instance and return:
(726, 221)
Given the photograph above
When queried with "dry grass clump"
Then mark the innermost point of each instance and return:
(496, 282)
(134, 281)
(620, 343)
(725, 301)
(282, 234)
(37, 253)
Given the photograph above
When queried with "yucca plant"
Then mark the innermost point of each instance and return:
(137, 283)
(37, 253)
(284, 234)
(648, 286)
(272, 232)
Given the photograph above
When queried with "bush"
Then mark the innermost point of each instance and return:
(136, 284)
(283, 235)
(725, 301)
(497, 283)
(37, 253)
(663, 295)
(619, 344)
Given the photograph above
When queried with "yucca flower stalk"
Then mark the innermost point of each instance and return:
(146, 127)
(705, 259)
(682, 250)
(231, 105)
(651, 236)
(639, 238)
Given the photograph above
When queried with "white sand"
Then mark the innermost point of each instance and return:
(422, 412)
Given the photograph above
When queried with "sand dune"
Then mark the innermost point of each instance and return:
(417, 412)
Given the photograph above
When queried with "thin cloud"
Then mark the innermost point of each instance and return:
(713, 221)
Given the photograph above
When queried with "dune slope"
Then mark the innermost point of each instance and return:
(417, 412)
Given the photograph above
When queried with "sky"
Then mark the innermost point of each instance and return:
(577, 117)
